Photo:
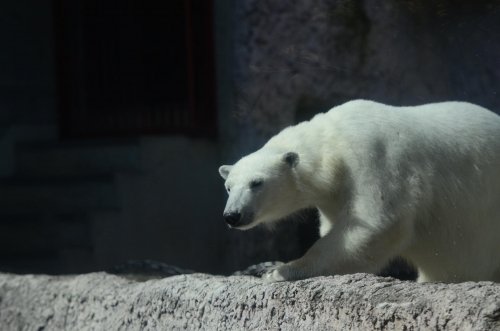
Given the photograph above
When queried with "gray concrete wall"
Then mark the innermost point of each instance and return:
(171, 210)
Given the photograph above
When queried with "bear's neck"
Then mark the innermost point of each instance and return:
(320, 179)
(320, 172)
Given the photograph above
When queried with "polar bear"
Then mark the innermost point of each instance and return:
(418, 182)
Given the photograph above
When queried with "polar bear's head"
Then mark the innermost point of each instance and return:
(261, 187)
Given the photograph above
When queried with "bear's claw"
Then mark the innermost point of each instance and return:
(273, 276)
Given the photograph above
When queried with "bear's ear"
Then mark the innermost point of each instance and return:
(291, 158)
(225, 170)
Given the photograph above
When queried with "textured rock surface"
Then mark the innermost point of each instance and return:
(316, 54)
(101, 301)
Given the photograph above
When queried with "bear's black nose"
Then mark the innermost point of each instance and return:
(232, 218)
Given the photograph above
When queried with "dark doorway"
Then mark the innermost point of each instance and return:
(134, 67)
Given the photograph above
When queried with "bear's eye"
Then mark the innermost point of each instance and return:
(256, 183)
(228, 189)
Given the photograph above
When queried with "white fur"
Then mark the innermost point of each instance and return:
(418, 182)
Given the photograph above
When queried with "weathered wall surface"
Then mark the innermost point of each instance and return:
(292, 60)
(354, 302)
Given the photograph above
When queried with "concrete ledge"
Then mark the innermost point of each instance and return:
(101, 301)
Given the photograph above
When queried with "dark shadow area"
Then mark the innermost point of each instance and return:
(115, 115)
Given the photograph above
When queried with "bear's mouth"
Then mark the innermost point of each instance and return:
(245, 221)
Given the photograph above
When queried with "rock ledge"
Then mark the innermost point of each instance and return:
(199, 301)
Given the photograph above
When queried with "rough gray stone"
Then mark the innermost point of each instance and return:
(100, 301)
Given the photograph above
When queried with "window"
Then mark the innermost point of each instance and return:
(135, 67)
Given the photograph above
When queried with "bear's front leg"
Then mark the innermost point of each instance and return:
(350, 247)
(288, 271)
(314, 263)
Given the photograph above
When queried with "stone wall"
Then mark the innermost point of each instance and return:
(295, 59)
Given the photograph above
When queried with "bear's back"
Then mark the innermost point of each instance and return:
(443, 118)
(359, 123)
